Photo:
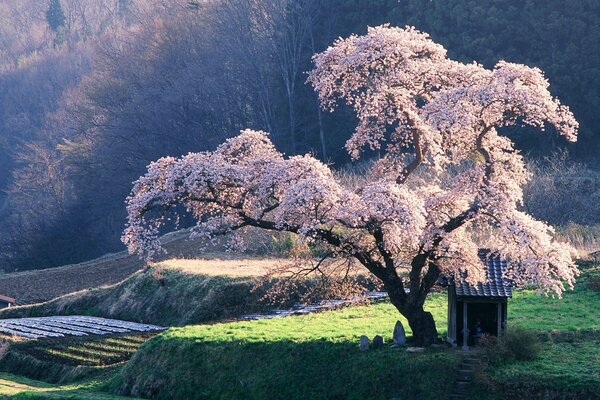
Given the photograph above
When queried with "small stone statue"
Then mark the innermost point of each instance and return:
(378, 342)
(364, 343)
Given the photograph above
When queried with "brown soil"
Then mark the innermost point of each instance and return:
(42, 285)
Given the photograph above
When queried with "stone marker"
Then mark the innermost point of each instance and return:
(364, 343)
(415, 349)
(378, 342)
(399, 337)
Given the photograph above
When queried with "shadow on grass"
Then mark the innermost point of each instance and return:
(185, 368)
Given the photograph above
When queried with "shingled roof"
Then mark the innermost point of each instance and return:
(495, 285)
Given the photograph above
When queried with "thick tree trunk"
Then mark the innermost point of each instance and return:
(423, 326)
(410, 305)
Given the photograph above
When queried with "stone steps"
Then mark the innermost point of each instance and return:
(464, 377)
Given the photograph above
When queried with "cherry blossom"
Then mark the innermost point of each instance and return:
(446, 174)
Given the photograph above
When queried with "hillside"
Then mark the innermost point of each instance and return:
(287, 358)
(167, 80)
(317, 357)
(174, 292)
(37, 286)
(42, 285)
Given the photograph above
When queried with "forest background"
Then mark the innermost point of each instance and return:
(91, 91)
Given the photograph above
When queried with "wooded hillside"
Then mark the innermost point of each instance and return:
(91, 91)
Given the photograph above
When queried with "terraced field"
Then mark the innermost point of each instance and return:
(71, 359)
(41, 285)
(68, 349)
(72, 325)
(91, 352)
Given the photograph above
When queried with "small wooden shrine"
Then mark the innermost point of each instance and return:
(478, 309)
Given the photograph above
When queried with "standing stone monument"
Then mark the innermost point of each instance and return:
(399, 336)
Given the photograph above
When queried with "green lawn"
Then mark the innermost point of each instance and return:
(15, 387)
(316, 356)
(577, 310)
(346, 324)
(569, 364)
(562, 371)
(305, 357)
(573, 366)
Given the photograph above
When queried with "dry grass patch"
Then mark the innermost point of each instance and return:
(235, 268)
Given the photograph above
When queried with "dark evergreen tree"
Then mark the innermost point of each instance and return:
(55, 15)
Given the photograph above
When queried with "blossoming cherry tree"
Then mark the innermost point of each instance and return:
(445, 174)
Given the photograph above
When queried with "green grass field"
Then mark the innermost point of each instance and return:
(562, 371)
(316, 357)
(15, 387)
(304, 357)
(578, 310)
(569, 364)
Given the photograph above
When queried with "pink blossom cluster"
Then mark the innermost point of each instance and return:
(446, 173)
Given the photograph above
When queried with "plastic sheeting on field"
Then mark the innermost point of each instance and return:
(72, 325)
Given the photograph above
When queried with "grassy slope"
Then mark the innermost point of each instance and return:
(162, 295)
(562, 371)
(316, 356)
(69, 359)
(291, 358)
(15, 387)
(306, 357)
(569, 365)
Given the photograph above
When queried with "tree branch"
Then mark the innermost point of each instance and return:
(414, 164)
(390, 268)
(329, 237)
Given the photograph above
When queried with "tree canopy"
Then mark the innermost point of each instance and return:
(446, 174)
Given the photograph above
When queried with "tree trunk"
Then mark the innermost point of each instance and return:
(321, 134)
(423, 327)
(292, 115)
(411, 306)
